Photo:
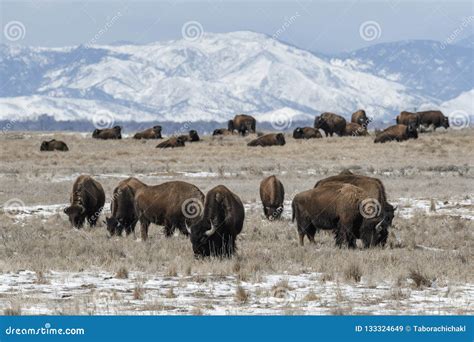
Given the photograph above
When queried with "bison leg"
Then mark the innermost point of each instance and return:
(144, 224)
(301, 238)
(168, 230)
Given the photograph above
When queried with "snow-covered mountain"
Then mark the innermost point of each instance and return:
(209, 79)
(435, 69)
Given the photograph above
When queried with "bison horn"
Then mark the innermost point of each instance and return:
(187, 227)
(211, 231)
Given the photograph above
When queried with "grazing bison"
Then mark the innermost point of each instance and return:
(150, 133)
(433, 117)
(54, 145)
(355, 130)
(306, 133)
(171, 143)
(191, 136)
(376, 191)
(222, 131)
(336, 206)
(272, 139)
(108, 133)
(222, 220)
(171, 204)
(330, 123)
(360, 117)
(87, 202)
(243, 124)
(272, 194)
(122, 207)
(406, 118)
(397, 133)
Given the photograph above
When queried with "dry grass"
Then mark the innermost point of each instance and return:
(241, 296)
(122, 273)
(353, 272)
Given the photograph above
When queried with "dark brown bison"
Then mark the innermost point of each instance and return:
(336, 206)
(222, 131)
(355, 130)
(191, 136)
(330, 123)
(397, 133)
(122, 207)
(173, 205)
(54, 145)
(243, 124)
(272, 194)
(108, 133)
(222, 220)
(306, 133)
(406, 118)
(150, 133)
(378, 203)
(433, 117)
(87, 201)
(171, 143)
(272, 139)
(360, 117)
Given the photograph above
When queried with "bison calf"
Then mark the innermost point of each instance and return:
(87, 202)
(272, 194)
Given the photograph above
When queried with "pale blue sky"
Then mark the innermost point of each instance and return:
(324, 26)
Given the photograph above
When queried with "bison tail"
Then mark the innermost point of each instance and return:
(293, 208)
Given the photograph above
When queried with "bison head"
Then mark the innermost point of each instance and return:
(208, 240)
(298, 133)
(113, 226)
(230, 125)
(280, 139)
(412, 131)
(44, 146)
(317, 122)
(193, 135)
(75, 212)
(446, 122)
(179, 142)
(157, 130)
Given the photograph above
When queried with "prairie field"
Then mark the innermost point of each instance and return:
(47, 267)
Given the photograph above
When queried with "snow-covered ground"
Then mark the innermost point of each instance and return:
(101, 293)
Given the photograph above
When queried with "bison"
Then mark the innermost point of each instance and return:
(330, 123)
(54, 145)
(397, 133)
(170, 204)
(222, 131)
(407, 118)
(108, 133)
(376, 190)
(272, 139)
(355, 130)
(191, 136)
(272, 194)
(338, 207)
(87, 201)
(243, 124)
(172, 143)
(150, 133)
(122, 207)
(222, 220)
(433, 117)
(360, 117)
(306, 133)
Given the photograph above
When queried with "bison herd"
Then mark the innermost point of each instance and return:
(352, 206)
(407, 127)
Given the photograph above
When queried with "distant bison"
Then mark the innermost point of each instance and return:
(433, 117)
(222, 131)
(336, 207)
(174, 204)
(360, 117)
(122, 207)
(54, 145)
(272, 194)
(397, 133)
(243, 124)
(272, 139)
(150, 133)
(191, 136)
(355, 130)
(378, 201)
(171, 143)
(306, 133)
(87, 202)
(330, 123)
(108, 133)
(222, 220)
(406, 118)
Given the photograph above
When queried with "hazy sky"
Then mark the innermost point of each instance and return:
(324, 26)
